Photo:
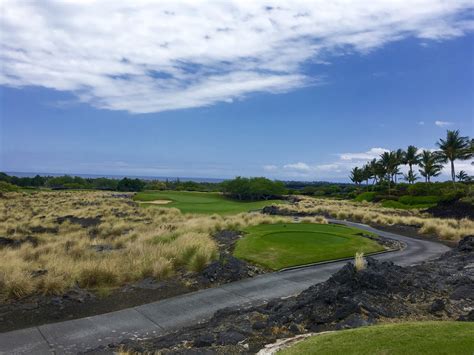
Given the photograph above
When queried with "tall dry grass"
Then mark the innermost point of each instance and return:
(372, 213)
(140, 242)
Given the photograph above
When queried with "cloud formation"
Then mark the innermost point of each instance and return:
(152, 56)
(443, 123)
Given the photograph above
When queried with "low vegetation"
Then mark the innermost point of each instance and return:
(200, 202)
(394, 339)
(372, 213)
(51, 241)
(277, 246)
(253, 189)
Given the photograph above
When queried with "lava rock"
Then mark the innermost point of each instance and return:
(84, 222)
(204, 340)
(463, 292)
(227, 269)
(230, 337)
(437, 306)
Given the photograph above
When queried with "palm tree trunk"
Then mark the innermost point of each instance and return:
(411, 172)
(453, 173)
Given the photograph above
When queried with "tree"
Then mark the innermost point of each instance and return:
(375, 170)
(454, 147)
(367, 174)
(258, 188)
(430, 165)
(462, 176)
(127, 184)
(411, 158)
(389, 162)
(410, 177)
(357, 175)
(399, 158)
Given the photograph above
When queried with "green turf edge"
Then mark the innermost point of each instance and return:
(432, 337)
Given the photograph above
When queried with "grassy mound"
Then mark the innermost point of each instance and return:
(276, 246)
(403, 339)
(201, 202)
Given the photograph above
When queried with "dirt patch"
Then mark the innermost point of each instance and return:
(156, 202)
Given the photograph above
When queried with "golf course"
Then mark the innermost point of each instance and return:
(199, 202)
(276, 246)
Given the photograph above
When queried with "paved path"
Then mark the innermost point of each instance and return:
(157, 318)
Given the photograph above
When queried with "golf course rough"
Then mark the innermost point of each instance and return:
(277, 246)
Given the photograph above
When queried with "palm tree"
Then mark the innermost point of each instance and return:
(357, 176)
(454, 147)
(462, 176)
(410, 177)
(400, 157)
(430, 165)
(411, 158)
(374, 168)
(367, 174)
(388, 160)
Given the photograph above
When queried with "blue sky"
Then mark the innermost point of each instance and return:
(309, 107)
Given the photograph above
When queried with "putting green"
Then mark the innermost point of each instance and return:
(277, 246)
(199, 202)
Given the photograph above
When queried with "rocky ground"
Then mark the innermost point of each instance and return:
(437, 289)
(78, 302)
(452, 209)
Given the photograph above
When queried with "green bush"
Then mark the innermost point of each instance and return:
(366, 196)
(417, 200)
(7, 187)
(254, 189)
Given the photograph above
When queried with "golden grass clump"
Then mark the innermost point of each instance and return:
(119, 242)
(359, 262)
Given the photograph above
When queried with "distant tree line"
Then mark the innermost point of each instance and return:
(67, 182)
(386, 169)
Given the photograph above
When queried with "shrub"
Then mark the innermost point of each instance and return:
(418, 200)
(7, 187)
(366, 196)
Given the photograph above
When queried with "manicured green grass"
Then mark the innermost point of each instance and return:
(202, 202)
(277, 246)
(392, 339)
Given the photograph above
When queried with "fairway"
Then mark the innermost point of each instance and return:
(277, 246)
(199, 202)
(393, 339)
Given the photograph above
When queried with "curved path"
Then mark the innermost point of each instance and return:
(160, 317)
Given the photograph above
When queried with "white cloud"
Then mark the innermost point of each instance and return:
(270, 167)
(443, 123)
(152, 56)
(421, 123)
(297, 166)
(368, 155)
